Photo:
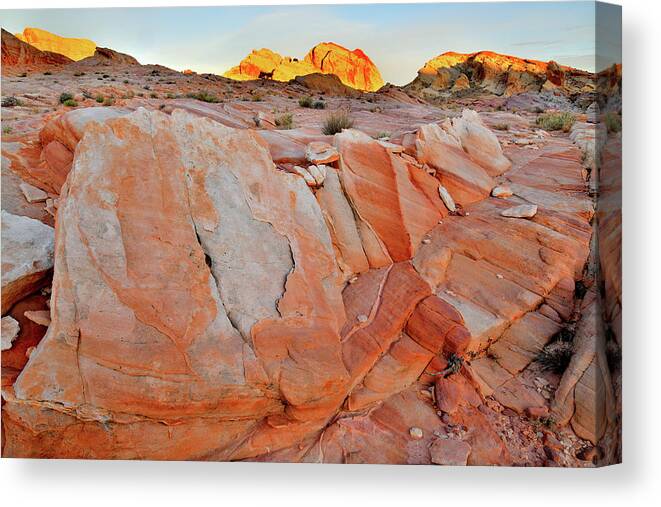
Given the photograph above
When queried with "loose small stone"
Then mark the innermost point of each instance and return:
(416, 433)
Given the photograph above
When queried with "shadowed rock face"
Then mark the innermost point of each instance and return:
(75, 49)
(353, 68)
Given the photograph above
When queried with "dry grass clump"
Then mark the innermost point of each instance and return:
(336, 122)
(284, 121)
(556, 121)
(204, 96)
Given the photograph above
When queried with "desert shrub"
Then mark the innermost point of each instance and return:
(78, 74)
(501, 126)
(48, 73)
(109, 101)
(305, 101)
(204, 96)
(106, 76)
(382, 135)
(284, 121)
(556, 121)
(99, 99)
(70, 103)
(170, 96)
(153, 95)
(146, 87)
(7, 130)
(613, 122)
(336, 122)
(23, 74)
(555, 357)
(11, 102)
(319, 104)
(65, 96)
(256, 98)
(125, 81)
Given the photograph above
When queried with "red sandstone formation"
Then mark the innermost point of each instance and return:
(19, 57)
(354, 68)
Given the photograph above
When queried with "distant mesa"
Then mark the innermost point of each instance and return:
(353, 68)
(76, 49)
(19, 56)
(498, 74)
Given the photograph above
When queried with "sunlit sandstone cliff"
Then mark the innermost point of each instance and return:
(76, 49)
(354, 68)
(499, 74)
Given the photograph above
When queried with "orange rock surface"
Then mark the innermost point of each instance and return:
(76, 49)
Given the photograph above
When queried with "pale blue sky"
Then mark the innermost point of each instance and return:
(398, 38)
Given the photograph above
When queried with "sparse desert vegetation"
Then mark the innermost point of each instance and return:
(336, 122)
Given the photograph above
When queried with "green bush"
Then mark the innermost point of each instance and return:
(501, 126)
(70, 103)
(613, 122)
(99, 99)
(305, 101)
(336, 122)
(65, 96)
(284, 121)
(319, 104)
(556, 121)
(7, 130)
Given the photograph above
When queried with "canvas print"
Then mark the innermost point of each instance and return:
(376, 234)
